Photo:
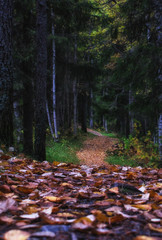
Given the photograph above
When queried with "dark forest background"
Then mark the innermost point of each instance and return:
(70, 63)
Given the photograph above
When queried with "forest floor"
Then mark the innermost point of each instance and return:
(53, 200)
(94, 150)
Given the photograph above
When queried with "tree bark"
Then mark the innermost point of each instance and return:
(84, 112)
(49, 121)
(26, 67)
(131, 122)
(54, 77)
(6, 75)
(41, 76)
(158, 18)
(91, 109)
(75, 94)
(28, 115)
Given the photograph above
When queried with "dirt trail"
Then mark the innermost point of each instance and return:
(94, 150)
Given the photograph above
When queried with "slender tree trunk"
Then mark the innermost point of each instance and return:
(131, 99)
(17, 122)
(75, 91)
(158, 18)
(49, 121)
(84, 112)
(41, 76)
(6, 73)
(75, 105)
(54, 77)
(104, 121)
(91, 109)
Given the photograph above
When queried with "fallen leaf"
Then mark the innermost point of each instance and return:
(53, 199)
(16, 235)
(43, 234)
(146, 238)
(50, 219)
(83, 223)
(6, 205)
(143, 207)
(155, 228)
(6, 220)
(30, 216)
(114, 190)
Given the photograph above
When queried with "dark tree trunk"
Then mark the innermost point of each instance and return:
(41, 75)
(28, 110)
(158, 18)
(84, 112)
(91, 109)
(28, 116)
(6, 73)
(75, 92)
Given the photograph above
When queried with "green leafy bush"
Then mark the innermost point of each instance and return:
(139, 149)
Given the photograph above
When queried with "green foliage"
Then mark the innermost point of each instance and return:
(65, 150)
(138, 149)
(60, 152)
(121, 160)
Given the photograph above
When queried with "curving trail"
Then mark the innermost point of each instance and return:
(94, 150)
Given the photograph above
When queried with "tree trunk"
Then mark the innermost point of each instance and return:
(54, 77)
(91, 109)
(49, 121)
(28, 116)
(104, 123)
(6, 75)
(84, 112)
(17, 123)
(75, 91)
(131, 122)
(158, 18)
(26, 67)
(41, 76)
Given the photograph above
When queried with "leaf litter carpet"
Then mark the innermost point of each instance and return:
(60, 201)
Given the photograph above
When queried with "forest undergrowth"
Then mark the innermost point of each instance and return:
(100, 148)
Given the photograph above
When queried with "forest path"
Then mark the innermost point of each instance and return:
(94, 150)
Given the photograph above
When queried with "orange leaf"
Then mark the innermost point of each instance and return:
(155, 196)
(114, 190)
(155, 228)
(53, 199)
(145, 238)
(144, 207)
(16, 235)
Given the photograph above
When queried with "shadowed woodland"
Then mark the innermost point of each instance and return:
(69, 70)
(71, 63)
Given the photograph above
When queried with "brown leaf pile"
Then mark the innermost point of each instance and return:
(72, 202)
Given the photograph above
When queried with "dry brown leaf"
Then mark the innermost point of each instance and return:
(48, 219)
(6, 220)
(6, 204)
